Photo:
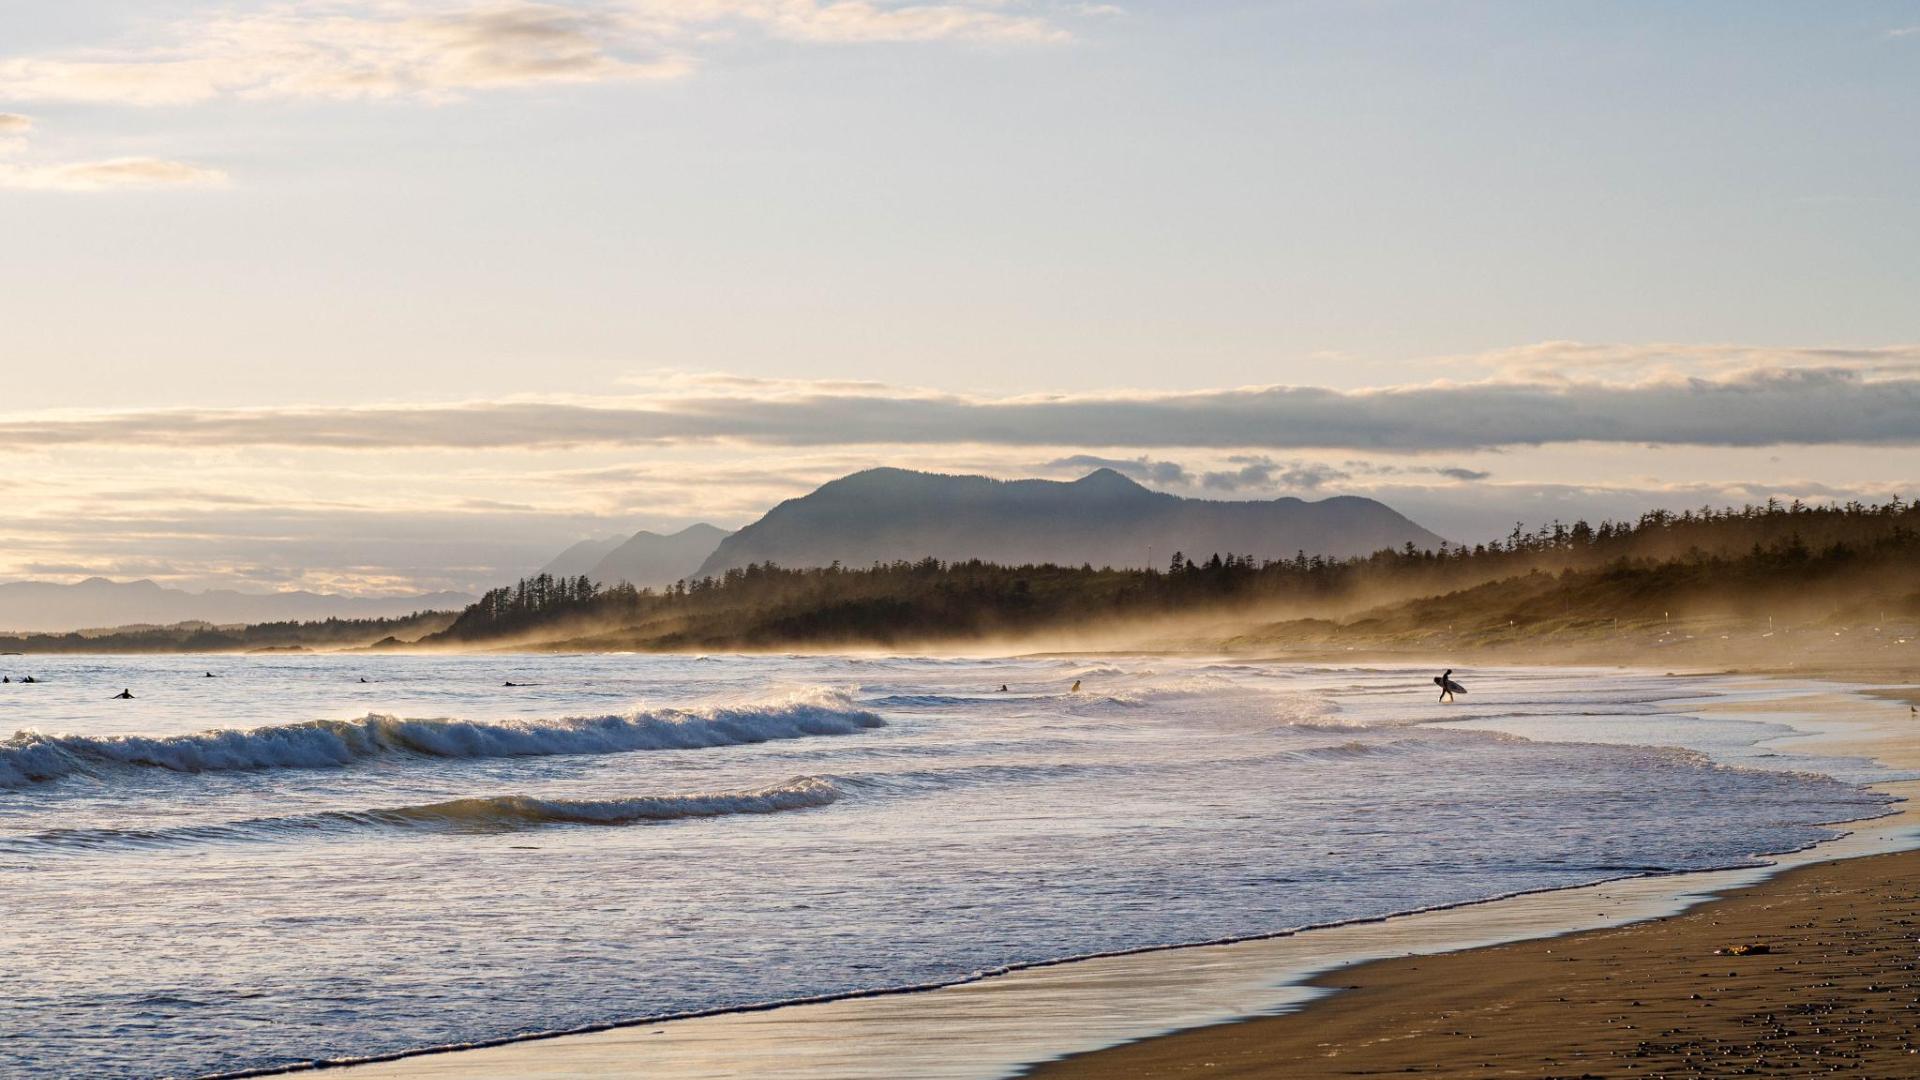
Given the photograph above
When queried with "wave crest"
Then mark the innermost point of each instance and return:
(515, 811)
(30, 756)
(496, 813)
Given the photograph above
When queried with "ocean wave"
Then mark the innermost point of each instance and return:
(496, 813)
(30, 756)
(928, 701)
(1356, 748)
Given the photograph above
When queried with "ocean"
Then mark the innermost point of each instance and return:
(285, 863)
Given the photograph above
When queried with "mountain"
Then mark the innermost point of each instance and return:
(1102, 518)
(649, 558)
(97, 602)
(582, 557)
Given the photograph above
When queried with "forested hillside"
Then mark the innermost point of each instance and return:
(1791, 561)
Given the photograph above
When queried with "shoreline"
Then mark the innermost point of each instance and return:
(1824, 990)
(1067, 1007)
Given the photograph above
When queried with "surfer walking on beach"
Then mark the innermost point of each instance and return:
(1447, 686)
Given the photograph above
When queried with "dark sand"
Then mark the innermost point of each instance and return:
(1838, 992)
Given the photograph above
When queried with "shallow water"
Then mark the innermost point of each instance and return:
(430, 857)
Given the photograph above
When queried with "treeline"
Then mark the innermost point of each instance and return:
(1661, 554)
(332, 633)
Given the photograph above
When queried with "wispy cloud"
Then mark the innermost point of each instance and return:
(338, 50)
(104, 175)
(1859, 404)
(852, 21)
(110, 175)
(439, 51)
(1574, 361)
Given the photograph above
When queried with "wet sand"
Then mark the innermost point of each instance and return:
(1837, 990)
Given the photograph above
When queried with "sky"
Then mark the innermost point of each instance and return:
(377, 296)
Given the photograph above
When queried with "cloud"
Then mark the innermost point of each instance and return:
(1833, 405)
(1141, 468)
(1464, 474)
(1262, 472)
(347, 50)
(855, 21)
(1571, 361)
(438, 51)
(362, 552)
(110, 175)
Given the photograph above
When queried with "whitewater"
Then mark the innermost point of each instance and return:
(284, 863)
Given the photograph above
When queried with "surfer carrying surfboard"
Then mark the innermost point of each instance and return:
(1447, 686)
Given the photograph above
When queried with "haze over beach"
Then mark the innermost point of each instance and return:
(614, 537)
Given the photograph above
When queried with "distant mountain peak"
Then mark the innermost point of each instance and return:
(1105, 479)
(1103, 518)
(651, 559)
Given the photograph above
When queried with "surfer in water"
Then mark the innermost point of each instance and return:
(124, 695)
(1076, 687)
(1447, 686)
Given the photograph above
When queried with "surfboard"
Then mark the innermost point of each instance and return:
(1448, 685)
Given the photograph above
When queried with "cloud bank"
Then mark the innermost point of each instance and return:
(1831, 405)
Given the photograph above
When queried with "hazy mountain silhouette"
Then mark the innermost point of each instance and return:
(648, 558)
(98, 602)
(582, 557)
(1103, 518)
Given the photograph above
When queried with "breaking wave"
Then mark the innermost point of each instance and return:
(498, 813)
(30, 756)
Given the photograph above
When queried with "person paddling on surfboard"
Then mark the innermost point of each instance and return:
(1447, 686)
(124, 695)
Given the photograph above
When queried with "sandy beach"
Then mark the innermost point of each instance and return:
(1565, 983)
(1832, 987)
(1835, 990)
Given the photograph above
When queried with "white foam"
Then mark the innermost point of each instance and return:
(30, 756)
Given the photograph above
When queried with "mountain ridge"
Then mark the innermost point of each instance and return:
(658, 559)
(1103, 518)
